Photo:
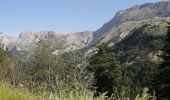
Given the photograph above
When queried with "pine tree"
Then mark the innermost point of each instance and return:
(106, 71)
(162, 78)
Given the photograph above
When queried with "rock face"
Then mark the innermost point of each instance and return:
(6, 41)
(136, 13)
(79, 40)
(29, 35)
(116, 30)
(28, 39)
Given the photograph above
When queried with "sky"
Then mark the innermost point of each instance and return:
(63, 16)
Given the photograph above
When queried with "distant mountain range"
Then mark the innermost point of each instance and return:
(116, 30)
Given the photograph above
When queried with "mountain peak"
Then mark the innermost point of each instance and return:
(116, 29)
(136, 13)
(141, 12)
(42, 34)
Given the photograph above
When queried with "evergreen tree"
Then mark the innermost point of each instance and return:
(162, 78)
(106, 71)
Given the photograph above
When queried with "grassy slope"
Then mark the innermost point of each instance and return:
(6, 93)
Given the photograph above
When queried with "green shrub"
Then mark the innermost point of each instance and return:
(145, 95)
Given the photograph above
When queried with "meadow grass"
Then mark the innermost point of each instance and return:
(7, 93)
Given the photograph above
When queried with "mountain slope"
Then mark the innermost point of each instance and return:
(136, 13)
(113, 32)
(28, 39)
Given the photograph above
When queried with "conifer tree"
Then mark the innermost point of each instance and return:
(162, 78)
(106, 71)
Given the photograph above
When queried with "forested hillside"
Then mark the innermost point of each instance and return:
(126, 59)
(124, 69)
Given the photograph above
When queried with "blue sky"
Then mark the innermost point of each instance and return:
(62, 16)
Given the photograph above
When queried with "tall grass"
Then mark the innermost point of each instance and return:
(6, 93)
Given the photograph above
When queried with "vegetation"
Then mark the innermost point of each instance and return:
(106, 71)
(19, 93)
(120, 72)
(6, 93)
(162, 80)
(55, 73)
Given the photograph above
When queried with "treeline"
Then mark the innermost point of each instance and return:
(69, 75)
(141, 60)
(124, 69)
(43, 71)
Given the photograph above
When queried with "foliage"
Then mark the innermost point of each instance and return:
(145, 95)
(161, 82)
(4, 62)
(44, 62)
(106, 71)
(55, 73)
(20, 93)
(11, 69)
(73, 74)
(138, 55)
(116, 73)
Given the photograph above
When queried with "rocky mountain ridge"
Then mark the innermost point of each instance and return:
(136, 13)
(114, 31)
(27, 39)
